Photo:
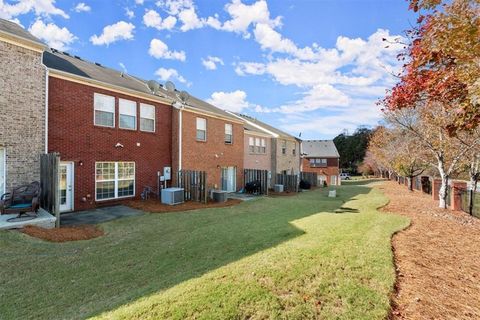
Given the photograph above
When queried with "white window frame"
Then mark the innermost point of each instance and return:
(284, 147)
(120, 113)
(143, 105)
(263, 145)
(229, 125)
(95, 109)
(257, 145)
(116, 180)
(251, 144)
(197, 129)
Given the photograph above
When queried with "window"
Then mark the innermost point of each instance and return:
(257, 145)
(251, 144)
(284, 147)
(104, 110)
(147, 117)
(201, 129)
(228, 133)
(294, 151)
(128, 114)
(318, 162)
(114, 180)
(264, 146)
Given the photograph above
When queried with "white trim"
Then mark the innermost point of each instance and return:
(46, 104)
(196, 127)
(255, 125)
(72, 166)
(94, 109)
(154, 117)
(4, 170)
(128, 115)
(180, 136)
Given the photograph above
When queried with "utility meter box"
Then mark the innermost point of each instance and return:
(167, 173)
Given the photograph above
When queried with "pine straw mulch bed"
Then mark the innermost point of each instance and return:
(64, 234)
(155, 206)
(437, 259)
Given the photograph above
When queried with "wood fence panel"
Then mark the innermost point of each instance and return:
(194, 184)
(289, 181)
(250, 175)
(310, 177)
(49, 197)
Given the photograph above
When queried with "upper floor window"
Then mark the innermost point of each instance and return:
(201, 129)
(284, 147)
(104, 110)
(264, 146)
(228, 133)
(127, 114)
(251, 144)
(294, 151)
(147, 117)
(318, 162)
(257, 145)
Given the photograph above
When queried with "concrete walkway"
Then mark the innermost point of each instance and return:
(98, 215)
(43, 219)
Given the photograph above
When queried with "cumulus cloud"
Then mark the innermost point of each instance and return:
(211, 62)
(152, 19)
(164, 74)
(235, 101)
(115, 32)
(39, 8)
(53, 35)
(82, 7)
(158, 49)
(129, 13)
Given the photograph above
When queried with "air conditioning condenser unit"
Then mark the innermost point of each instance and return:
(172, 196)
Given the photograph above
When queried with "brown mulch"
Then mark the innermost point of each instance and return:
(281, 194)
(64, 234)
(155, 206)
(437, 259)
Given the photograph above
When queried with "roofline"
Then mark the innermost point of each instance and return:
(191, 109)
(55, 73)
(256, 133)
(274, 135)
(22, 42)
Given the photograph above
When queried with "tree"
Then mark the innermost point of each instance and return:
(352, 148)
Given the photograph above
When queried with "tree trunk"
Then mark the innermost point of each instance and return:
(471, 192)
(410, 183)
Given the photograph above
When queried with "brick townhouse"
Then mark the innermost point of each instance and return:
(322, 157)
(113, 134)
(22, 105)
(211, 141)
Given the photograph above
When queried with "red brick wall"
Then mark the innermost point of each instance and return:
(330, 170)
(72, 133)
(211, 155)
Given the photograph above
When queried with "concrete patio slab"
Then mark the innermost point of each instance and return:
(244, 196)
(43, 219)
(98, 215)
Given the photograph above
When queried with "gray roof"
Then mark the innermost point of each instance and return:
(319, 148)
(65, 62)
(16, 30)
(266, 126)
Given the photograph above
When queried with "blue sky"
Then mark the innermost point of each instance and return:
(315, 67)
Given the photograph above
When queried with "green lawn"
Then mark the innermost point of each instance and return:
(288, 257)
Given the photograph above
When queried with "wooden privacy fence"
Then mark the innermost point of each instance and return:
(194, 184)
(250, 175)
(289, 181)
(310, 177)
(49, 169)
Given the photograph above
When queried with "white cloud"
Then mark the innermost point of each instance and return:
(139, 2)
(253, 68)
(158, 49)
(211, 62)
(123, 67)
(54, 36)
(169, 74)
(174, 7)
(82, 7)
(152, 19)
(118, 31)
(39, 7)
(129, 13)
(235, 101)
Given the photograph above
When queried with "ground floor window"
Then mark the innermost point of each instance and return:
(114, 180)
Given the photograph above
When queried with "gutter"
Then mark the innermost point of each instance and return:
(46, 103)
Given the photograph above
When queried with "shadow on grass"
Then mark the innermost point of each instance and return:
(145, 254)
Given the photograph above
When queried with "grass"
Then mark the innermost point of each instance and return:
(291, 257)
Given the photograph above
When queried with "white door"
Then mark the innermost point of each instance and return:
(333, 180)
(229, 179)
(321, 179)
(65, 185)
(2, 171)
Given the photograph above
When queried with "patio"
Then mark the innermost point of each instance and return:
(98, 215)
(43, 219)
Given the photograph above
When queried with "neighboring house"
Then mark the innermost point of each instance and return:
(113, 134)
(22, 105)
(284, 148)
(321, 157)
(211, 141)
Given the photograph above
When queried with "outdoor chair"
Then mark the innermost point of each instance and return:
(21, 200)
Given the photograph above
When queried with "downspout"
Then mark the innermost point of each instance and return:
(46, 103)
(180, 139)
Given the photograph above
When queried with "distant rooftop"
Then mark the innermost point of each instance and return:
(18, 31)
(268, 127)
(319, 148)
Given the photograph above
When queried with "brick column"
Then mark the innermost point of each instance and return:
(456, 195)
(436, 184)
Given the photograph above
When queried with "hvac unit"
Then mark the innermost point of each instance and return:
(172, 196)
(278, 188)
(219, 196)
